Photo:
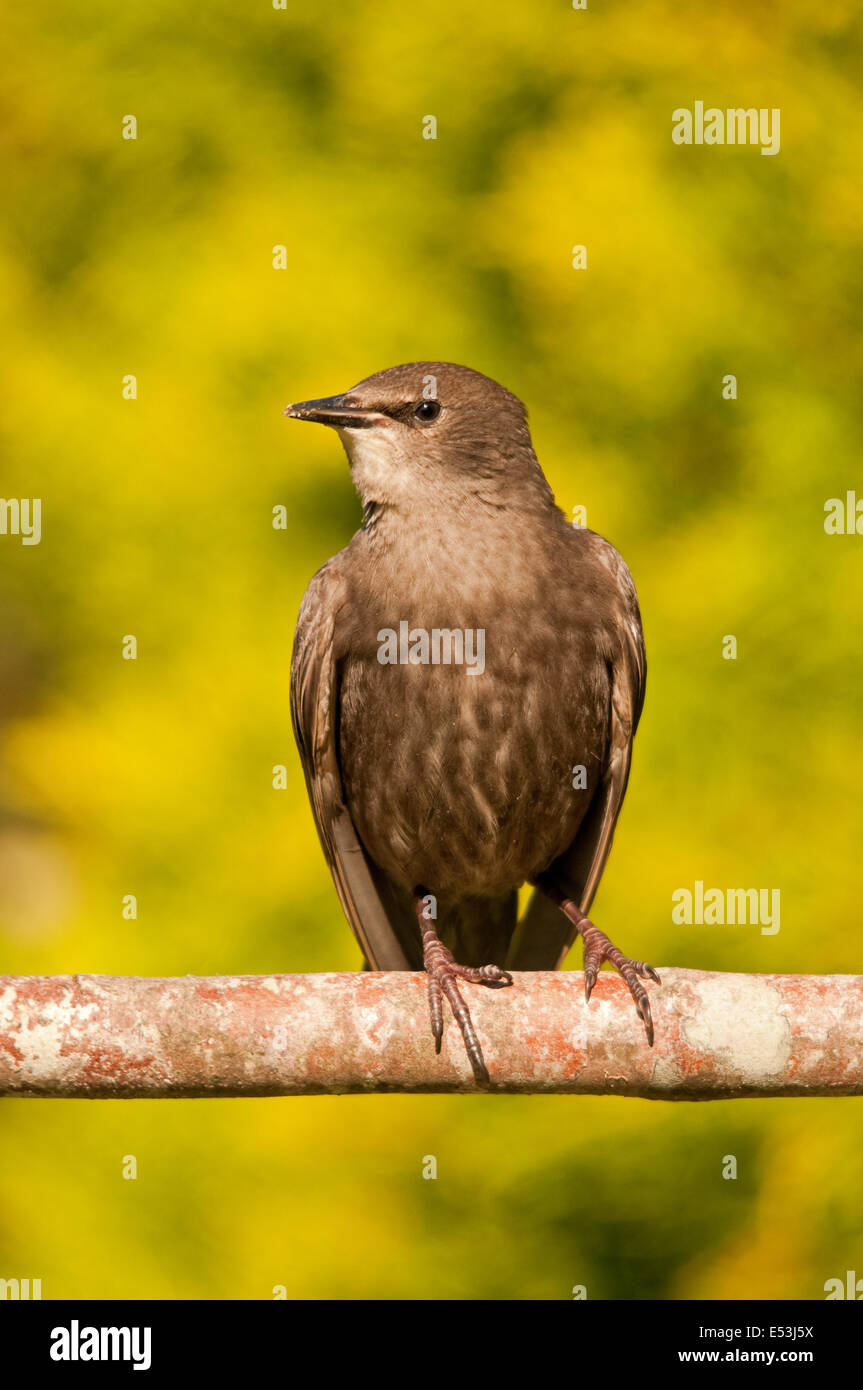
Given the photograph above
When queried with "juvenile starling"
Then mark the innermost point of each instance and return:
(467, 677)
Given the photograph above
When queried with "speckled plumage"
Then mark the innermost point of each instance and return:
(427, 774)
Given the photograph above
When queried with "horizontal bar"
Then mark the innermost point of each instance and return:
(718, 1036)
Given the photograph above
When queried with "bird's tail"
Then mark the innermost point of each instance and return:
(478, 930)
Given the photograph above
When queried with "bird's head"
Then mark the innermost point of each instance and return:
(431, 432)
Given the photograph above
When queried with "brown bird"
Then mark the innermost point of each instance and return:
(467, 677)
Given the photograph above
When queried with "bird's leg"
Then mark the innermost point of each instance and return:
(598, 948)
(443, 971)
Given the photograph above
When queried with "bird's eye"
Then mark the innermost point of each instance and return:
(427, 411)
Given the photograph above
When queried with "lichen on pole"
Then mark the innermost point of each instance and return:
(718, 1036)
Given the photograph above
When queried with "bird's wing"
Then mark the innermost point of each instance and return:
(545, 935)
(315, 716)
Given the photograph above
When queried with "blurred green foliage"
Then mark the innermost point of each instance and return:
(259, 127)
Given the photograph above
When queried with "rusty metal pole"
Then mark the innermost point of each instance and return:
(717, 1036)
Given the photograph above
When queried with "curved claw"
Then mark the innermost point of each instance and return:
(643, 1006)
(499, 980)
(435, 1012)
(480, 1071)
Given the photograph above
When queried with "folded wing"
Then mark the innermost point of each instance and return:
(376, 914)
(545, 935)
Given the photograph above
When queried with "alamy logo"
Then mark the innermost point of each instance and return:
(715, 907)
(76, 1343)
(443, 646)
(21, 517)
(736, 126)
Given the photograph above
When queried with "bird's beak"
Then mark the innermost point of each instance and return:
(342, 412)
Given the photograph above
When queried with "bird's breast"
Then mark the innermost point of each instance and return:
(471, 740)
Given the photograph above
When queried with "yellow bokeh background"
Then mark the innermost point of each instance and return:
(260, 127)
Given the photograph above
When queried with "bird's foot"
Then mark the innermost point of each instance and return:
(598, 949)
(443, 971)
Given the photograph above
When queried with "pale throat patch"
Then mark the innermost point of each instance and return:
(378, 469)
